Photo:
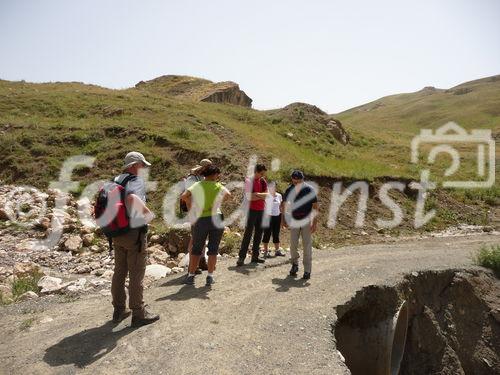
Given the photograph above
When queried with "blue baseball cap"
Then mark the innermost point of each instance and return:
(298, 175)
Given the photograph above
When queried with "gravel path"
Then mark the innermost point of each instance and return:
(255, 320)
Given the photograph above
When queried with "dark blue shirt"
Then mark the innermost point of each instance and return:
(305, 208)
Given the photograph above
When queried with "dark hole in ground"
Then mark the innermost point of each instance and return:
(433, 322)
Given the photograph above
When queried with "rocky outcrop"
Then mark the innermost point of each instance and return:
(228, 92)
(338, 131)
(298, 113)
(197, 89)
(303, 108)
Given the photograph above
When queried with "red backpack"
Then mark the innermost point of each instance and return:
(109, 209)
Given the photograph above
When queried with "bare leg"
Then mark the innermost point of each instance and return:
(276, 246)
(190, 246)
(266, 246)
(194, 260)
(212, 260)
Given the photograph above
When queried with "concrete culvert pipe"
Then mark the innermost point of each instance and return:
(399, 338)
(374, 348)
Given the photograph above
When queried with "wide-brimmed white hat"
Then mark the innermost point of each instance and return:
(135, 157)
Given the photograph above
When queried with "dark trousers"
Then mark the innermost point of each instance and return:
(254, 225)
(203, 228)
(274, 228)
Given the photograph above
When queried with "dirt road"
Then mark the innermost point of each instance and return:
(255, 320)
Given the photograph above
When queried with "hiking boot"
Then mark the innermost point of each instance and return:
(307, 275)
(189, 280)
(258, 260)
(146, 319)
(210, 281)
(279, 253)
(198, 271)
(120, 314)
(240, 262)
(294, 270)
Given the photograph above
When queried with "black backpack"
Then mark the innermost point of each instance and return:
(182, 205)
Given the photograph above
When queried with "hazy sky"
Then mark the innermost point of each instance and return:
(334, 54)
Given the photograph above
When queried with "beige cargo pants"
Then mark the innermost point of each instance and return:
(130, 258)
(305, 233)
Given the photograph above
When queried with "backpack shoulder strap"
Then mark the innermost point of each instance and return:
(125, 180)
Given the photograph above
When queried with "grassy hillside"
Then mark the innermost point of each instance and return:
(396, 119)
(43, 124)
(474, 104)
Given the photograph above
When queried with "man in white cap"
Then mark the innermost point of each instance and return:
(130, 247)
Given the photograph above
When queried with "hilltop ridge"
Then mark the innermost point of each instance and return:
(198, 89)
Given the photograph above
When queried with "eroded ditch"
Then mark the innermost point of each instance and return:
(432, 322)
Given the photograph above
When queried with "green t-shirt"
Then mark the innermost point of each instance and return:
(204, 194)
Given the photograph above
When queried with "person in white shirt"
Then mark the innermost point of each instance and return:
(273, 213)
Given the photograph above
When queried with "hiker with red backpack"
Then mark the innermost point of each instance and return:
(255, 194)
(123, 216)
(195, 175)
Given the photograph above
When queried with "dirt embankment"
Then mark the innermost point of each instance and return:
(433, 322)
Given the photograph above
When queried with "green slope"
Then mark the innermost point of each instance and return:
(42, 124)
(394, 120)
(397, 118)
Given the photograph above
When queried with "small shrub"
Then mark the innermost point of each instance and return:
(489, 257)
(3, 300)
(316, 243)
(181, 133)
(25, 207)
(26, 324)
(39, 150)
(25, 284)
(68, 298)
(231, 243)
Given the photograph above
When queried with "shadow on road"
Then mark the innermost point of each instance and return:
(86, 346)
(244, 270)
(289, 282)
(176, 281)
(187, 292)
